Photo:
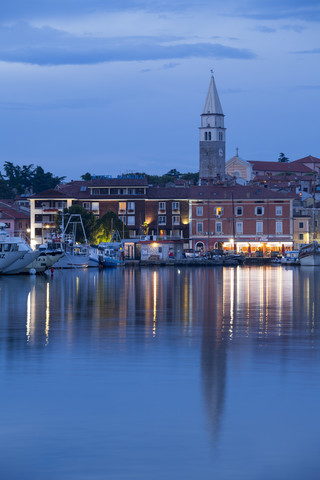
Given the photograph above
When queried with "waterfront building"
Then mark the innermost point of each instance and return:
(16, 219)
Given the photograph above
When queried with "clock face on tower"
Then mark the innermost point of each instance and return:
(220, 152)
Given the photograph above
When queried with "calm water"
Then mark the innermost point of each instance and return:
(162, 373)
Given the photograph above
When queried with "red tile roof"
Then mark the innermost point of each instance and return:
(308, 159)
(279, 166)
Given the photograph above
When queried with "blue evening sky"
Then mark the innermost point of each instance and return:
(110, 86)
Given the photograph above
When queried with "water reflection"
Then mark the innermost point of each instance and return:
(217, 316)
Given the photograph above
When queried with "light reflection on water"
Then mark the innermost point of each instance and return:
(160, 373)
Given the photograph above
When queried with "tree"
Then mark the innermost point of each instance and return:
(86, 176)
(88, 219)
(282, 158)
(44, 181)
(107, 225)
(5, 190)
(27, 178)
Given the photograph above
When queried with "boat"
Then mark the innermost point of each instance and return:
(9, 249)
(49, 254)
(106, 254)
(74, 255)
(290, 257)
(27, 256)
(309, 255)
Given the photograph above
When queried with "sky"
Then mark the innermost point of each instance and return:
(111, 87)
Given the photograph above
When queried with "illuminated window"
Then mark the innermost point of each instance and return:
(122, 207)
(218, 211)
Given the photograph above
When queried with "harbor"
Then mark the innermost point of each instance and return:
(106, 372)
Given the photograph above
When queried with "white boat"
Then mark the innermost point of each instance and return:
(76, 256)
(28, 256)
(49, 254)
(291, 257)
(9, 249)
(309, 255)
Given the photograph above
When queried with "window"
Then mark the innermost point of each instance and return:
(131, 191)
(176, 207)
(131, 220)
(206, 136)
(259, 227)
(279, 211)
(38, 218)
(239, 211)
(220, 136)
(162, 207)
(130, 207)
(162, 220)
(300, 224)
(95, 207)
(218, 211)
(218, 227)
(20, 225)
(199, 227)
(95, 191)
(209, 135)
(83, 188)
(122, 207)
(239, 227)
(300, 236)
(199, 211)
(176, 220)
(278, 228)
(259, 210)
(86, 205)
(38, 232)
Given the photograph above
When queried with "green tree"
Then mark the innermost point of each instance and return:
(5, 190)
(86, 176)
(19, 179)
(88, 219)
(42, 180)
(282, 158)
(106, 225)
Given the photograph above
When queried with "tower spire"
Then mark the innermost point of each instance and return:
(212, 136)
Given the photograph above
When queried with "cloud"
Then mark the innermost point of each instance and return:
(294, 28)
(264, 29)
(314, 51)
(303, 10)
(48, 46)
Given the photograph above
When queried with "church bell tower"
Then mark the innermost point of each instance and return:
(212, 138)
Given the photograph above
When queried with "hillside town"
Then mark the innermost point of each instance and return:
(249, 207)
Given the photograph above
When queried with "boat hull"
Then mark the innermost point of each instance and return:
(18, 266)
(309, 255)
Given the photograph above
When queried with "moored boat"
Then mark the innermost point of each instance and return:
(291, 257)
(9, 249)
(309, 255)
